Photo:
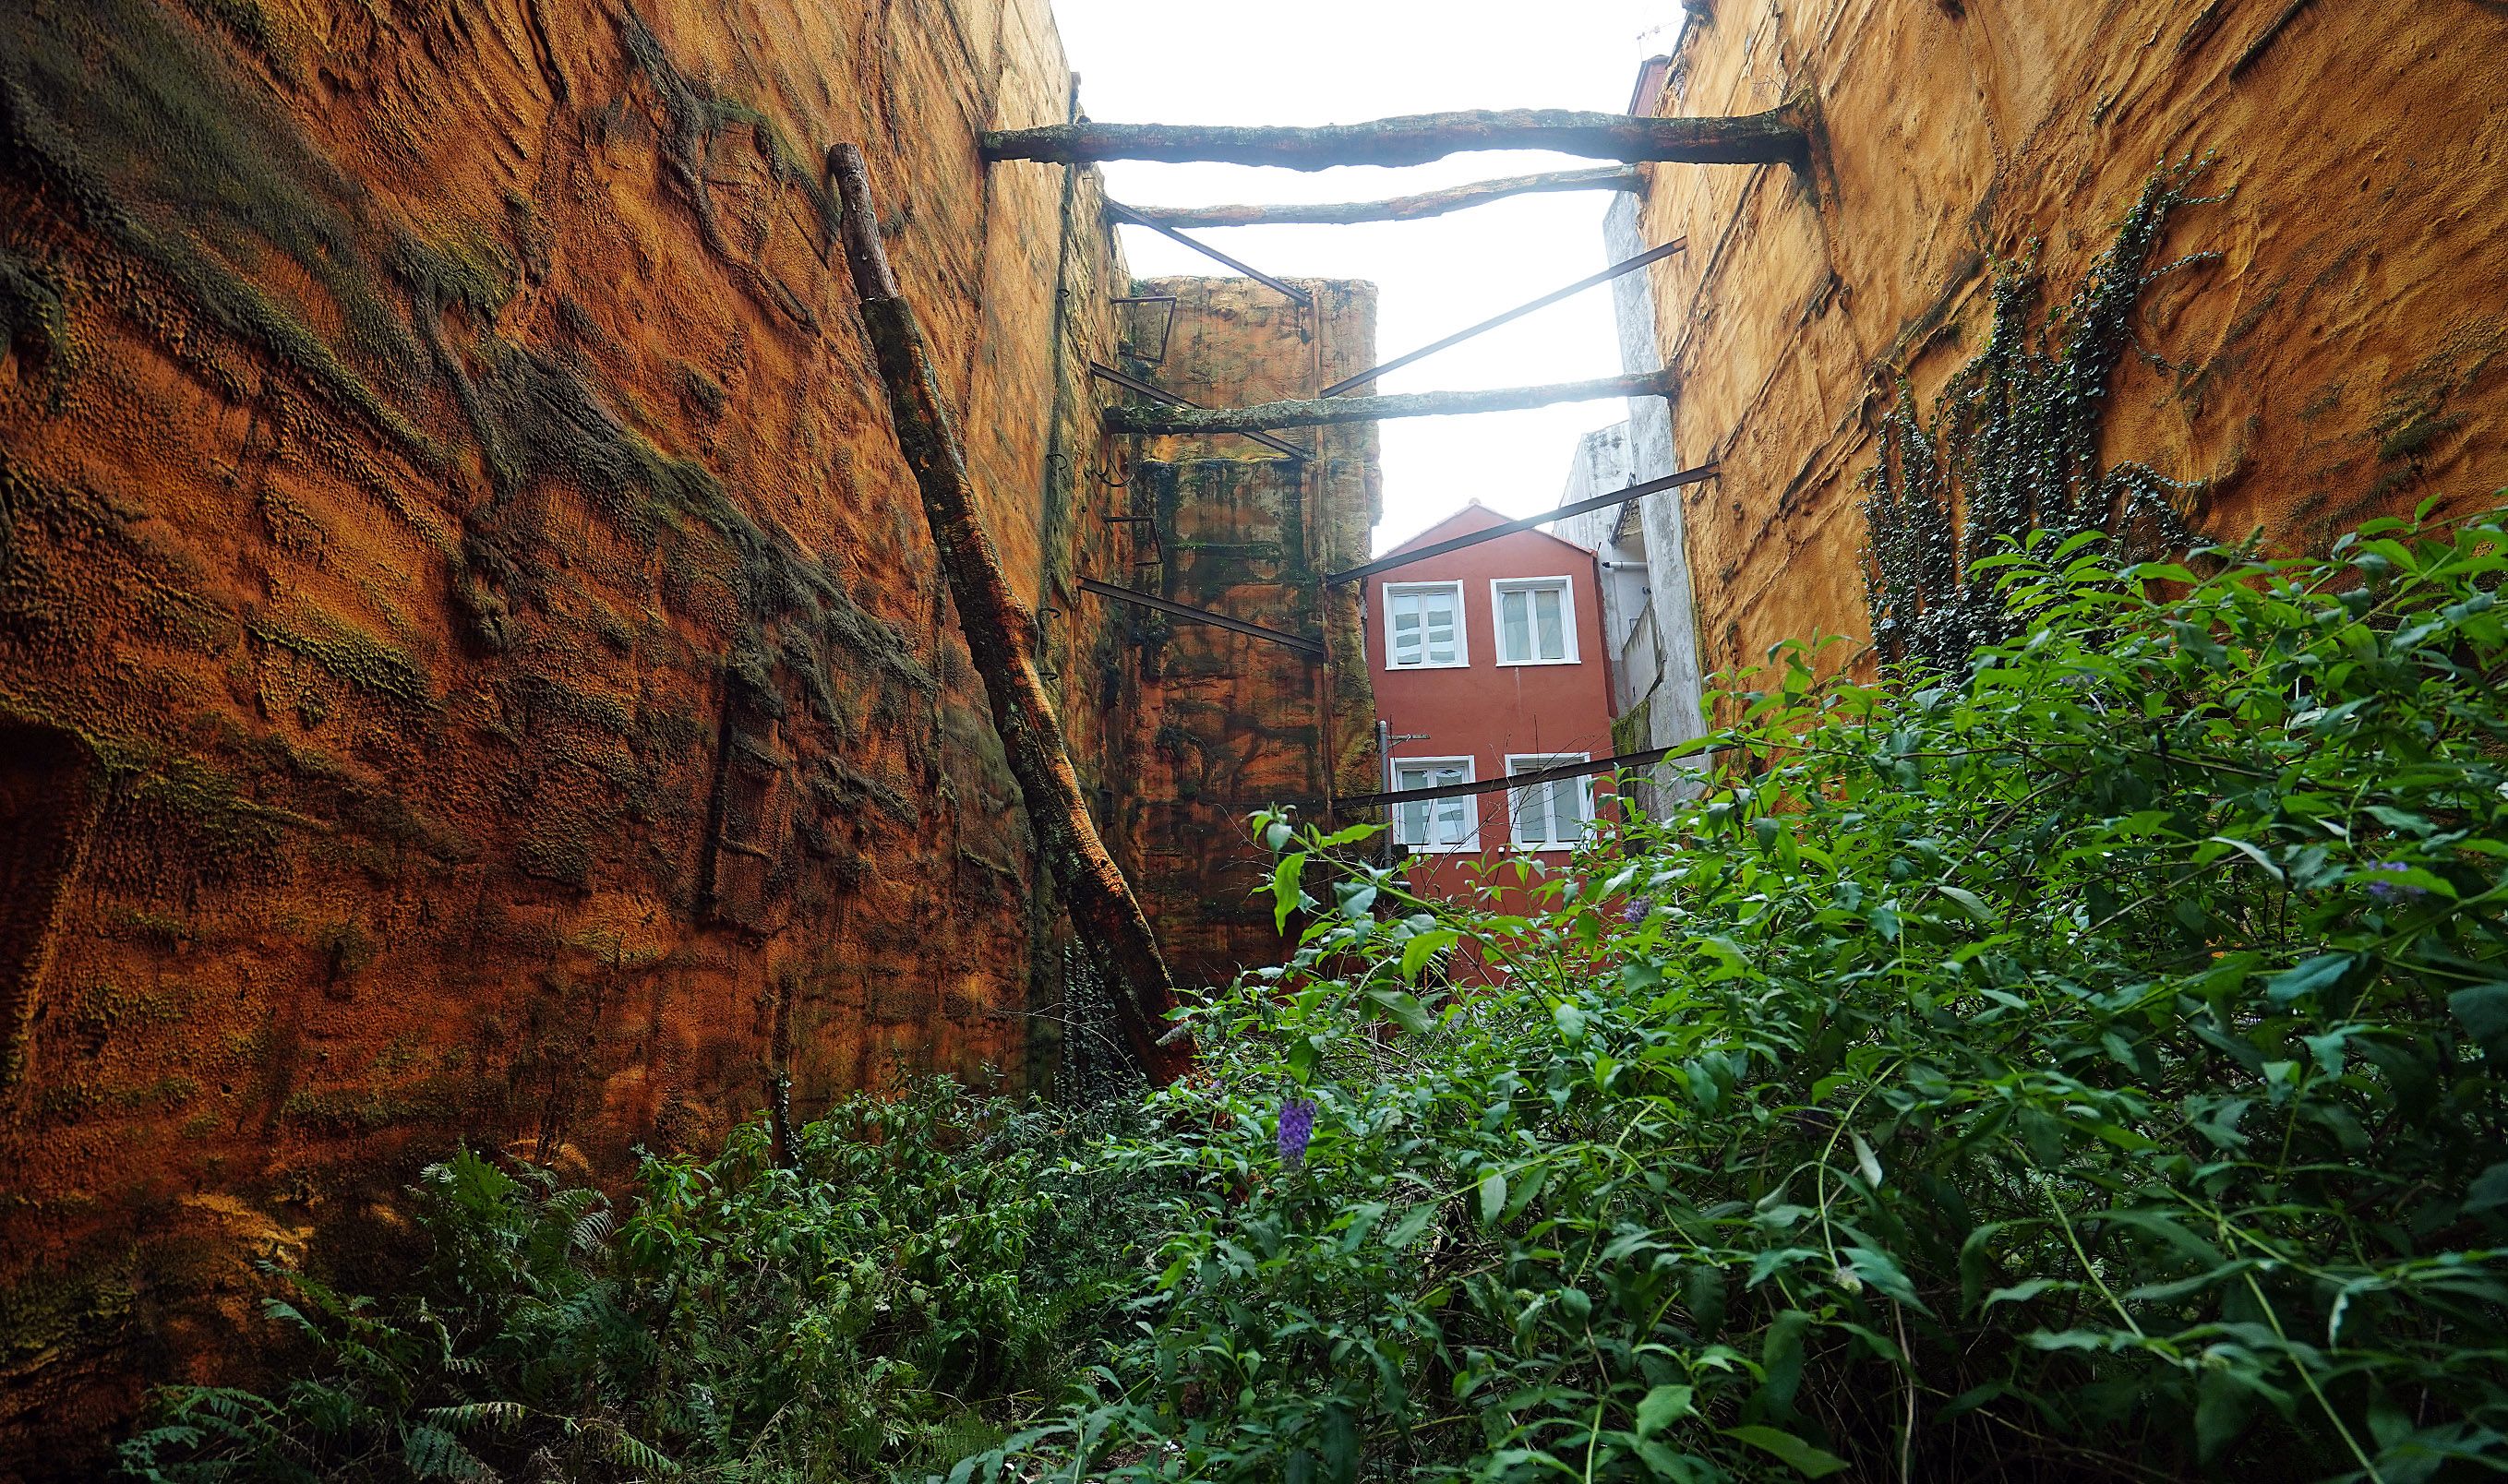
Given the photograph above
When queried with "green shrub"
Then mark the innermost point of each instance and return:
(924, 1274)
(2086, 1065)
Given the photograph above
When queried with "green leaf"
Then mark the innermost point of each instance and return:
(2488, 1190)
(1413, 1221)
(2317, 973)
(1493, 1195)
(1285, 893)
(1422, 947)
(1405, 1010)
(1866, 1162)
(2483, 1010)
(1662, 1407)
(1969, 902)
(1881, 1271)
(1804, 1459)
(1570, 1020)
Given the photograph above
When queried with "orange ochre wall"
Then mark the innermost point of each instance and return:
(2345, 355)
(472, 664)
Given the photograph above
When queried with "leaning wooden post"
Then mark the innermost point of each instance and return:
(999, 638)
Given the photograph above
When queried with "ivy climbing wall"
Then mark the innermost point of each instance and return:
(2340, 350)
(471, 662)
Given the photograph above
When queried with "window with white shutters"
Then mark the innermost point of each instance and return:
(1437, 824)
(1423, 625)
(1552, 815)
(1536, 619)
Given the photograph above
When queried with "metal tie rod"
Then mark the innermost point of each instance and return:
(1135, 385)
(1534, 779)
(1674, 481)
(1298, 642)
(1297, 295)
(1651, 255)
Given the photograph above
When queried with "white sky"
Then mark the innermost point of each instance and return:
(1338, 62)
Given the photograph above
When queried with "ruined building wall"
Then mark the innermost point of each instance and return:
(2341, 357)
(471, 662)
(1231, 723)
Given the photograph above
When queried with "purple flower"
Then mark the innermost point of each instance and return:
(1297, 1126)
(2394, 891)
(1636, 911)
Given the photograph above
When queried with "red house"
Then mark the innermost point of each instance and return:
(1488, 661)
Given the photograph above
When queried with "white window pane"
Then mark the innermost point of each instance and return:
(1552, 635)
(1515, 623)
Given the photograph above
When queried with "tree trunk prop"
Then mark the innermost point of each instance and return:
(1400, 208)
(1313, 413)
(1780, 136)
(998, 634)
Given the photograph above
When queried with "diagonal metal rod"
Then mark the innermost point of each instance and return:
(1298, 642)
(1297, 295)
(1672, 480)
(1155, 394)
(1533, 779)
(1651, 255)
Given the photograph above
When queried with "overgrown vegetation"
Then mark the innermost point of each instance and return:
(2083, 1064)
(930, 1261)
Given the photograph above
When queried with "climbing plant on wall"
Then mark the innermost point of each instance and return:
(2012, 447)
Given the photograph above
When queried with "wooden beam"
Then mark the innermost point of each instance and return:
(1318, 411)
(1777, 137)
(1000, 639)
(1399, 208)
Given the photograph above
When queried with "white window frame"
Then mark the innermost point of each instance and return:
(1566, 589)
(1515, 798)
(1462, 628)
(1471, 802)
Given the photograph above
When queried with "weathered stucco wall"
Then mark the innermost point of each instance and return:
(1227, 723)
(2343, 356)
(471, 662)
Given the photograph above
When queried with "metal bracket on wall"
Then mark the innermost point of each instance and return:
(1139, 387)
(1298, 296)
(1313, 648)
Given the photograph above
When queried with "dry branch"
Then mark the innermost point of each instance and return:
(998, 632)
(1316, 412)
(1777, 137)
(1400, 208)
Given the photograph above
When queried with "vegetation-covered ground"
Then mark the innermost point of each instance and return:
(2085, 1066)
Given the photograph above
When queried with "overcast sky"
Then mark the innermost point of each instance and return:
(1335, 62)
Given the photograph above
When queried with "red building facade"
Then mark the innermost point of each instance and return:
(1487, 663)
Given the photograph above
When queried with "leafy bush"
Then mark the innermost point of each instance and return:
(2086, 1065)
(922, 1274)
